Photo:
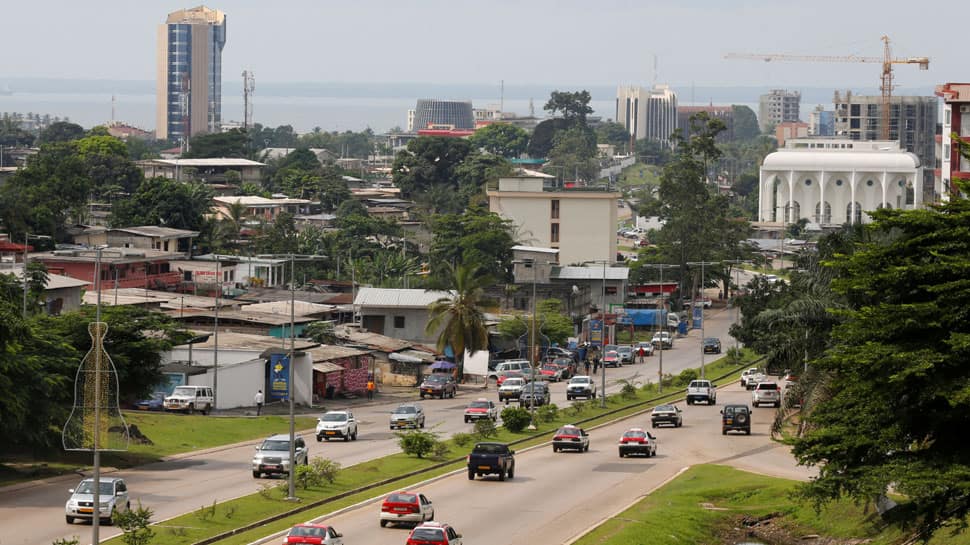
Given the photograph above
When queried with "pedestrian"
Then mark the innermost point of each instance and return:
(370, 388)
(259, 401)
(642, 354)
(596, 363)
(586, 363)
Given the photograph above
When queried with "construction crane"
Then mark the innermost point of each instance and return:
(887, 61)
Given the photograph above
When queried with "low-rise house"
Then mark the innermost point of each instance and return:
(216, 170)
(398, 362)
(263, 208)
(61, 293)
(166, 239)
(399, 313)
(121, 267)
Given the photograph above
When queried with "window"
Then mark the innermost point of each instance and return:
(610, 290)
(399, 322)
(554, 234)
(555, 209)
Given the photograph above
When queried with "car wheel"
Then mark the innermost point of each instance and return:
(555, 448)
(621, 454)
(723, 431)
(327, 439)
(347, 436)
(422, 423)
(471, 475)
(654, 425)
(512, 471)
(754, 404)
(256, 474)
(354, 436)
(191, 409)
(747, 431)
(319, 438)
(383, 523)
(690, 401)
(501, 474)
(422, 396)
(679, 424)
(432, 516)
(466, 420)
(586, 448)
(70, 520)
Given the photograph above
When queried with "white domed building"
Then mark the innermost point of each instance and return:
(831, 182)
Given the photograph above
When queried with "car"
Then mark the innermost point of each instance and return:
(611, 358)
(406, 506)
(510, 389)
(273, 455)
(439, 385)
(637, 441)
(480, 409)
(701, 390)
(570, 437)
(567, 365)
(190, 399)
(789, 378)
(155, 402)
(746, 375)
(646, 346)
(558, 352)
(662, 340)
(667, 414)
(534, 393)
(506, 367)
(551, 372)
(433, 533)
(736, 418)
(407, 415)
(511, 374)
(490, 458)
(626, 354)
(340, 424)
(580, 386)
(712, 345)
(112, 495)
(321, 534)
(754, 379)
(766, 393)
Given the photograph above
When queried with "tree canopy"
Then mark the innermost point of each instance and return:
(574, 106)
(475, 236)
(166, 202)
(232, 143)
(502, 139)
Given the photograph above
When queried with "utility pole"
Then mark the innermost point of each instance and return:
(694, 303)
(663, 315)
(737, 286)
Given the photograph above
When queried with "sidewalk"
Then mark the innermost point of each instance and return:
(385, 394)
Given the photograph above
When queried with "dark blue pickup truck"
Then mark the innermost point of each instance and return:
(491, 459)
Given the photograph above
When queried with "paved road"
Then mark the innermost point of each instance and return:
(34, 515)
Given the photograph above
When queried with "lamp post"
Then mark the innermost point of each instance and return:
(737, 285)
(702, 264)
(293, 258)
(530, 264)
(604, 262)
(27, 237)
(663, 306)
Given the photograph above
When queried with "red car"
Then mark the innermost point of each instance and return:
(611, 359)
(434, 533)
(316, 534)
(510, 374)
(406, 506)
(551, 372)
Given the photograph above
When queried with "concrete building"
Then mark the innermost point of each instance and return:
(214, 170)
(579, 222)
(647, 113)
(399, 313)
(831, 182)
(432, 113)
(166, 239)
(956, 119)
(724, 113)
(821, 122)
(790, 130)
(912, 122)
(778, 106)
(189, 77)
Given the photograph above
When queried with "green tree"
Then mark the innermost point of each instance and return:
(429, 162)
(477, 170)
(573, 106)
(232, 143)
(551, 322)
(60, 131)
(613, 133)
(745, 123)
(458, 320)
(542, 136)
(574, 151)
(163, 201)
(502, 139)
(477, 237)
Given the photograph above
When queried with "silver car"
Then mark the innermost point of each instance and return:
(112, 495)
(273, 455)
(408, 415)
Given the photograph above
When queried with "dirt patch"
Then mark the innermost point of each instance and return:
(770, 529)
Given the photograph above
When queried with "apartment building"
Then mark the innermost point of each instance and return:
(778, 106)
(956, 119)
(649, 114)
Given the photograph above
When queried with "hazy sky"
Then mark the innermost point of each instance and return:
(521, 42)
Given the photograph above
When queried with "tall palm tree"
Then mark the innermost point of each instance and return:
(458, 319)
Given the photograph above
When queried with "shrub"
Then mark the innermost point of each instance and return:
(316, 473)
(440, 450)
(135, 525)
(515, 419)
(485, 428)
(685, 376)
(205, 513)
(462, 439)
(65, 541)
(628, 390)
(735, 356)
(579, 406)
(417, 442)
(547, 413)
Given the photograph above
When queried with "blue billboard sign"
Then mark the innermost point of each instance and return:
(279, 384)
(596, 332)
(698, 316)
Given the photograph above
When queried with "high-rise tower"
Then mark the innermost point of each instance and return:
(189, 81)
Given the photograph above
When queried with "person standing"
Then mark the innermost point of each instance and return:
(259, 401)
(596, 362)
(370, 388)
(642, 353)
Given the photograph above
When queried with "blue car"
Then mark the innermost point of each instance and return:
(153, 403)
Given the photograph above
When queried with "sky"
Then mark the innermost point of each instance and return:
(592, 42)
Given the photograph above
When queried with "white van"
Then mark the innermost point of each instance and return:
(503, 368)
(190, 399)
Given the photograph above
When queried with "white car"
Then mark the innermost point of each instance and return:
(754, 379)
(112, 495)
(406, 506)
(580, 386)
(766, 393)
(273, 455)
(481, 409)
(746, 375)
(662, 340)
(510, 388)
(190, 399)
(637, 441)
(334, 424)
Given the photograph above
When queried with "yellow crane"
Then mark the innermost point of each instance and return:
(887, 61)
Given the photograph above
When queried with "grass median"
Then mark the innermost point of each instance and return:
(209, 521)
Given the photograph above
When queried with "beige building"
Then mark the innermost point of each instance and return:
(580, 223)
(189, 77)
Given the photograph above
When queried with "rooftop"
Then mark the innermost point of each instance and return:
(399, 298)
(253, 200)
(157, 232)
(208, 162)
(246, 341)
(590, 273)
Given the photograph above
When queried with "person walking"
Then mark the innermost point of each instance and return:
(370, 388)
(259, 401)
(596, 362)
(587, 365)
(642, 353)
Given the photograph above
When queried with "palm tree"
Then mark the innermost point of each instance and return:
(458, 319)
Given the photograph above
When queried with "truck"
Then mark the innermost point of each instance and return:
(701, 390)
(488, 458)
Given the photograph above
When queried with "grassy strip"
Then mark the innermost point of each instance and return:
(203, 525)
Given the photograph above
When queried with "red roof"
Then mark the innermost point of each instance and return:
(7, 246)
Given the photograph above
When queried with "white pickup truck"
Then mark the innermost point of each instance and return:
(701, 390)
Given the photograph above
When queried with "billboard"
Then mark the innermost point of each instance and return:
(279, 385)
(596, 332)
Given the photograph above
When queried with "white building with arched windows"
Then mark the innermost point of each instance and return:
(831, 182)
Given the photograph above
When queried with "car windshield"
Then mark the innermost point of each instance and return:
(490, 448)
(635, 434)
(479, 404)
(611, 347)
(406, 409)
(87, 487)
(732, 410)
(273, 444)
(767, 386)
(663, 408)
(308, 531)
(550, 367)
(711, 341)
(580, 380)
(183, 391)
(334, 417)
(513, 382)
(436, 379)
(568, 430)
(402, 498)
(428, 534)
(624, 349)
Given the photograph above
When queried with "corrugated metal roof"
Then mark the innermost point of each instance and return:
(300, 308)
(590, 273)
(327, 352)
(154, 231)
(327, 367)
(371, 339)
(398, 298)
(535, 249)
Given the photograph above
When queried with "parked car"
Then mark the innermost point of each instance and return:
(551, 372)
(155, 402)
(438, 385)
(735, 418)
(712, 345)
(580, 386)
(558, 352)
(646, 346)
(570, 437)
(626, 354)
(567, 365)
(766, 393)
(535, 393)
(480, 409)
(112, 495)
(406, 506)
(321, 534)
(273, 455)
(337, 424)
(511, 388)
(190, 399)
(611, 359)
(637, 441)
(433, 533)
(667, 414)
(701, 390)
(662, 340)
(407, 415)
(488, 458)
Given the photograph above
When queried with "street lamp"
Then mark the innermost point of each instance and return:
(702, 264)
(293, 258)
(737, 285)
(530, 264)
(604, 262)
(663, 306)
(27, 237)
